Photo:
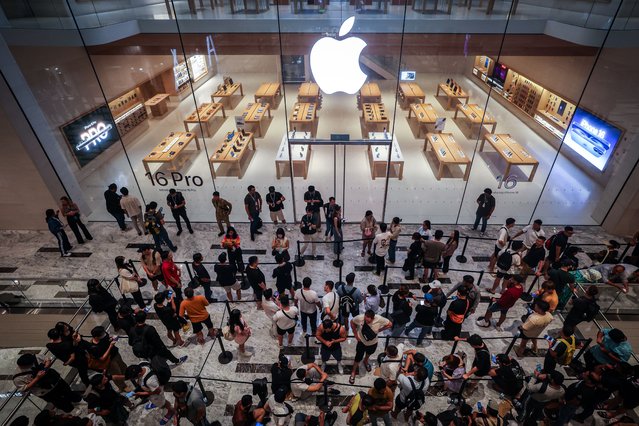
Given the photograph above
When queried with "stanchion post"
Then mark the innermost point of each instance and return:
(295, 280)
(388, 302)
(454, 348)
(481, 276)
(338, 263)
(300, 260)
(532, 285)
(623, 254)
(307, 357)
(225, 356)
(462, 258)
(188, 269)
(228, 306)
(387, 338)
(583, 349)
(512, 342)
(325, 403)
(383, 288)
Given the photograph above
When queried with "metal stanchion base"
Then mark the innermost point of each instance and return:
(383, 288)
(225, 357)
(210, 398)
(299, 262)
(338, 263)
(461, 259)
(297, 285)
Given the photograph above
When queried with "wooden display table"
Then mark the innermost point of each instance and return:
(249, 6)
(231, 150)
(158, 104)
(308, 92)
(474, 114)
(254, 114)
(424, 114)
(448, 152)
(304, 117)
(411, 93)
(203, 115)
(512, 152)
(170, 149)
(301, 154)
(270, 92)
(375, 117)
(369, 93)
(420, 6)
(451, 95)
(378, 157)
(226, 94)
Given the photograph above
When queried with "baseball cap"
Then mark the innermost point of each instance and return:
(435, 284)
(428, 297)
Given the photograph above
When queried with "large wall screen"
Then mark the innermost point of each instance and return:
(592, 138)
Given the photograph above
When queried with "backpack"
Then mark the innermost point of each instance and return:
(566, 358)
(151, 223)
(591, 311)
(347, 302)
(505, 260)
(550, 241)
(416, 398)
(139, 343)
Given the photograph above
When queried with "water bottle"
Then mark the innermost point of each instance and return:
(479, 407)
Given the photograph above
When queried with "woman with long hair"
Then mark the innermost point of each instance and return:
(240, 330)
(71, 211)
(231, 242)
(56, 227)
(368, 226)
(449, 249)
(280, 244)
(130, 281)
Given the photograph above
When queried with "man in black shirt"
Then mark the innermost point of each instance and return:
(564, 282)
(329, 210)
(533, 261)
(253, 207)
(68, 353)
(559, 347)
(105, 402)
(175, 200)
(456, 314)
(256, 278)
(275, 201)
(152, 338)
(481, 364)
(508, 377)
(485, 208)
(413, 255)
(583, 393)
(558, 244)
(203, 276)
(112, 199)
(281, 375)
(313, 199)
(424, 319)
(584, 308)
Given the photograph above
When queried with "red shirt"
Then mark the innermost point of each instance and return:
(510, 297)
(170, 270)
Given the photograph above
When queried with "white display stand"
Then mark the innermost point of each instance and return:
(301, 154)
(378, 157)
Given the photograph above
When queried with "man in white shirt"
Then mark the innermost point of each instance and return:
(278, 408)
(308, 379)
(418, 383)
(391, 363)
(132, 208)
(330, 302)
(285, 320)
(270, 308)
(531, 233)
(147, 385)
(380, 246)
(308, 302)
(366, 328)
(502, 241)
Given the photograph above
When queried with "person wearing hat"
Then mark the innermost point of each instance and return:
(426, 312)
(275, 201)
(489, 416)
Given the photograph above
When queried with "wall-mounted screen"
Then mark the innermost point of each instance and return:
(499, 73)
(91, 134)
(592, 138)
(407, 75)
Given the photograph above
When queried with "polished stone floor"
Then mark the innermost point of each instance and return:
(35, 268)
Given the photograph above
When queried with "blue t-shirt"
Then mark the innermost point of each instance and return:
(623, 350)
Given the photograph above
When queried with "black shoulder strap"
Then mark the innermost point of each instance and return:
(303, 297)
(284, 312)
(350, 294)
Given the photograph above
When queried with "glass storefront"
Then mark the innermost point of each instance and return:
(410, 110)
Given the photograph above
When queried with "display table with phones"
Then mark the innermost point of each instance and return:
(304, 117)
(203, 116)
(424, 114)
(378, 157)
(308, 92)
(301, 155)
(451, 94)
(512, 152)
(369, 93)
(158, 104)
(254, 114)
(411, 93)
(475, 116)
(231, 150)
(447, 151)
(225, 92)
(170, 149)
(269, 92)
(375, 117)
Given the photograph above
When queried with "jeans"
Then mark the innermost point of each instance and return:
(235, 258)
(119, 217)
(63, 242)
(309, 239)
(338, 246)
(255, 217)
(391, 250)
(397, 329)
(312, 319)
(423, 331)
(76, 225)
(386, 418)
(379, 264)
(484, 221)
(329, 228)
(446, 264)
(163, 237)
(181, 213)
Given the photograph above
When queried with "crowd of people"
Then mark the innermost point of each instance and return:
(391, 342)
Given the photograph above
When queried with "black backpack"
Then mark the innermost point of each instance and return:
(416, 398)
(505, 260)
(158, 367)
(347, 302)
(591, 311)
(139, 343)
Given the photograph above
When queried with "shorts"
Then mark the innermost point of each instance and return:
(495, 307)
(282, 288)
(502, 274)
(497, 250)
(197, 326)
(362, 349)
(277, 216)
(334, 351)
(158, 399)
(235, 286)
(399, 404)
(257, 290)
(430, 265)
(282, 332)
(172, 324)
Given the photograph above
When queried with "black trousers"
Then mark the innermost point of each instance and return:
(137, 296)
(113, 316)
(76, 225)
(235, 258)
(181, 213)
(446, 264)
(83, 370)
(164, 352)
(62, 397)
(312, 319)
(379, 264)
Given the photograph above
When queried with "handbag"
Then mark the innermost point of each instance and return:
(142, 282)
(368, 232)
(368, 333)
(97, 364)
(226, 332)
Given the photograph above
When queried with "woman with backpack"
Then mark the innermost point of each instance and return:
(402, 310)
(129, 280)
(240, 331)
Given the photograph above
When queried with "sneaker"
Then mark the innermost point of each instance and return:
(174, 249)
(498, 328)
(182, 360)
(190, 231)
(482, 234)
(246, 354)
(150, 406)
(66, 255)
(482, 323)
(179, 233)
(220, 234)
(166, 419)
(340, 368)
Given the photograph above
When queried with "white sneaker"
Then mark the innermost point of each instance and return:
(246, 354)
(66, 255)
(482, 323)
(340, 369)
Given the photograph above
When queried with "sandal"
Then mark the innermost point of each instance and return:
(368, 367)
(351, 380)
(604, 414)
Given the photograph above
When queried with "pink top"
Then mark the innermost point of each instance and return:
(241, 336)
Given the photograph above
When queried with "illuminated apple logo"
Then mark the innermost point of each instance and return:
(335, 63)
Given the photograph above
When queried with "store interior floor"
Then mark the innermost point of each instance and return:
(569, 196)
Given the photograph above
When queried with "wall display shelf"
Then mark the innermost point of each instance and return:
(128, 111)
(552, 112)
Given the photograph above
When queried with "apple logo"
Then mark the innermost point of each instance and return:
(335, 63)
